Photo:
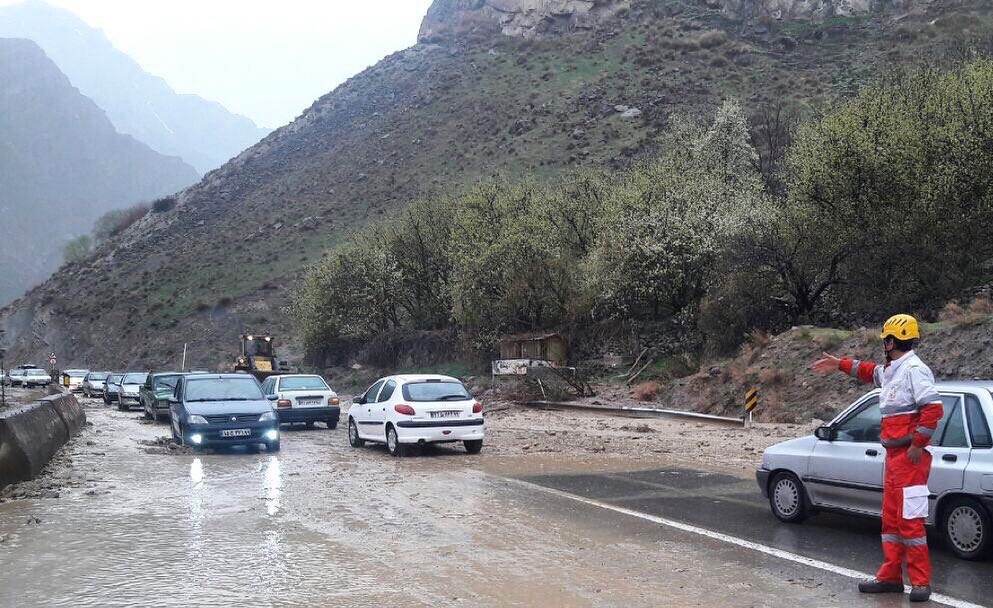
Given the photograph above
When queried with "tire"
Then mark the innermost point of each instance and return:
(393, 445)
(272, 446)
(788, 499)
(353, 434)
(145, 414)
(106, 401)
(967, 528)
(332, 424)
(473, 446)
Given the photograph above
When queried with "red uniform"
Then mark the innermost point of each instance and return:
(911, 410)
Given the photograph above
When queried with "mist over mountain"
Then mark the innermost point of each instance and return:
(201, 132)
(62, 165)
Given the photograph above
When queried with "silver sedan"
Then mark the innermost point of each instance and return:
(840, 468)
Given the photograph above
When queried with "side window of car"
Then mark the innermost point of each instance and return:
(979, 428)
(267, 386)
(370, 395)
(387, 391)
(951, 429)
(863, 425)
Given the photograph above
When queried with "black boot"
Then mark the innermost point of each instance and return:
(920, 593)
(877, 586)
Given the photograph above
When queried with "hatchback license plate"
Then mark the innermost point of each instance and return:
(447, 414)
(236, 433)
(309, 401)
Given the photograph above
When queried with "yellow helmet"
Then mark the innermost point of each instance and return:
(901, 327)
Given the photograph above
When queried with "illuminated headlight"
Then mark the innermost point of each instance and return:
(268, 417)
(196, 438)
(272, 434)
(194, 419)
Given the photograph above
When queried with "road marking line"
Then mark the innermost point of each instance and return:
(733, 540)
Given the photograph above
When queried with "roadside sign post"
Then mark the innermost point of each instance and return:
(52, 361)
(751, 402)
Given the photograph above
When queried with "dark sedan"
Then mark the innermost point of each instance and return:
(219, 410)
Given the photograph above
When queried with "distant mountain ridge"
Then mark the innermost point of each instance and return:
(62, 165)
(201, 132)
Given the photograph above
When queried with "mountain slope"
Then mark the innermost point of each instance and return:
(429, 119)
(201, 132)
(62, 165)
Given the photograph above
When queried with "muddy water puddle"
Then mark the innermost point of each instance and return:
(319, 523)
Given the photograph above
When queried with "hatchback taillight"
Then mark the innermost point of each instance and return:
(477, 408)
(406, 410)
(334, 401)
(283, 403)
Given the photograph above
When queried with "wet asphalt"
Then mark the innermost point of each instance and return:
(323, 524)
(734, 506)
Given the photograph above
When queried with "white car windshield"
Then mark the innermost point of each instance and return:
(223, 389)
(114, 379)
(307, 383)
(135, 379)
(435, 391)
(37, 372)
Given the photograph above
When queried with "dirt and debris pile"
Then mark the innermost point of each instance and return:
(957, 348)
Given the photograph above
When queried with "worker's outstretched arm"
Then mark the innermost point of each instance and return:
(863, 370)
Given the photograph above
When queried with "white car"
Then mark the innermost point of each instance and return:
(130, 387)
(401, 411)
(305, 398)
(35, 377)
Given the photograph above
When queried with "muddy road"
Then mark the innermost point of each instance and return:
(123, 521)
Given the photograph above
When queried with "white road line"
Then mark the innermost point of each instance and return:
(733, 540)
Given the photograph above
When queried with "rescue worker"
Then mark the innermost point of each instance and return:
(910, 409)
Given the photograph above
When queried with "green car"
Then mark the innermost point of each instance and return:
(154, 394)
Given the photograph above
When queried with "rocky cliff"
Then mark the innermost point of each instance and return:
(451, 19)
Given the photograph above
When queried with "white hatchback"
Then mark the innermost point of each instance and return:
(416, 409)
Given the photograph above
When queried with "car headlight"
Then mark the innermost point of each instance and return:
(194, 419)
(268, 417)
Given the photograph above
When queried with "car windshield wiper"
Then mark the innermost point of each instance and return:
(453, 397)
(220, 399)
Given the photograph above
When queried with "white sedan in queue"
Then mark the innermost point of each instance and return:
(406, 410)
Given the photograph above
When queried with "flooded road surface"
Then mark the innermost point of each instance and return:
(323, 524)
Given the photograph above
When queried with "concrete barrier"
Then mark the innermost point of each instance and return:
(69, 410)
(30, 435)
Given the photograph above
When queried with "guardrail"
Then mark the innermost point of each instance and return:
(633, 410)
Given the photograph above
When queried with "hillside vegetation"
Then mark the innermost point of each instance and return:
(430, 121)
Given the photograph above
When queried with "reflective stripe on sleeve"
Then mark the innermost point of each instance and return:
(923, 430)
(853, 371)
(889, 412)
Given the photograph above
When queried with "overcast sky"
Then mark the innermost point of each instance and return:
(266, 59)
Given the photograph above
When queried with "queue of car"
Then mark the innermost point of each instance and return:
(207, 409)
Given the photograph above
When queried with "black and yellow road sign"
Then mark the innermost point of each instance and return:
(751, 399)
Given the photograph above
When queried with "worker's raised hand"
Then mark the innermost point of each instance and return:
(826, 364)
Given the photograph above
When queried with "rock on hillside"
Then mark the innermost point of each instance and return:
(452, 19)
(62, 165)
(432, 118)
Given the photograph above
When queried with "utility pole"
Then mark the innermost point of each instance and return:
(183, 368)
(3, 383)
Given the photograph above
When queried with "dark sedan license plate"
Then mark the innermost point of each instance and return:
(236, 433)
